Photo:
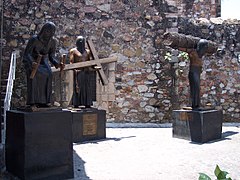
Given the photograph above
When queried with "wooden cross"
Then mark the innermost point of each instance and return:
(95, 62)
(95, 56)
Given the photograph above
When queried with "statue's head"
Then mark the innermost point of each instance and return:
(202, 47)
(47, 31)
(80, 43)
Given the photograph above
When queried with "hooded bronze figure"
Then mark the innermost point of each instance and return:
(82, 95)
(43, 45)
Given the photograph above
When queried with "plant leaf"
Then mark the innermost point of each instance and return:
(222, 175)
(203, 177)
(217, 171)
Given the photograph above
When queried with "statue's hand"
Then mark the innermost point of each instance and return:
(34, 65)
(62, 66)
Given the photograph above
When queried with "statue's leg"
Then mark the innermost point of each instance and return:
(85, 93)
(194, 81)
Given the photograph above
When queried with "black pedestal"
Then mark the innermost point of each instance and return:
(39, 145)
(89, 124)
(1, 121)
(0, 130)
(197, 126)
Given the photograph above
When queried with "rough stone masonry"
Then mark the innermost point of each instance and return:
(146, 86)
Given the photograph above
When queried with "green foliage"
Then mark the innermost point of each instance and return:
(221, 175)
(203, 177)
(183, 55)
(168, 56)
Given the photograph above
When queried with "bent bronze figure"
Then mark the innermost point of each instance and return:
(196, 49)
(40, 47)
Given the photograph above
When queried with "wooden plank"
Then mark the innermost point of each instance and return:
(101, 73)
(34, 70)
(86, 64)
(92, 49)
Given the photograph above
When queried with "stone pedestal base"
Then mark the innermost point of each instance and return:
(2, 163)
(197, 126)
(88, 124)
(0, 130)
(39, 145)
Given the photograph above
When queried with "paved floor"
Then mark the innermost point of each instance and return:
(153, 154)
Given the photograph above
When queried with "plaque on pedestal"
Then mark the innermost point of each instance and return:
(39, 144)
(197, 126)
(88, 124)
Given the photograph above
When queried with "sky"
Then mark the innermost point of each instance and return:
(230, 9)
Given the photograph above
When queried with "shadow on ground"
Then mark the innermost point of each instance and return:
(225, 136)
(79, 168)
(106, 139)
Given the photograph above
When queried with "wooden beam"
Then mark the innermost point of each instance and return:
(86, 64)
(92, 49)
(101, 73)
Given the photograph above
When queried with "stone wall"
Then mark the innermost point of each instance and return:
(132, 30)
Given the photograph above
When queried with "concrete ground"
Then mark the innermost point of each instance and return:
(153, 154)
(140, 153)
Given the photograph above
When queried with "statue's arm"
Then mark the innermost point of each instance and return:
(88, 54)
(187, 50)
(52, 54)
(71, 56)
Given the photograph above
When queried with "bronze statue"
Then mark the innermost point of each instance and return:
(195, 70)
(196, 49)
(82, 95)
(39, 50)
